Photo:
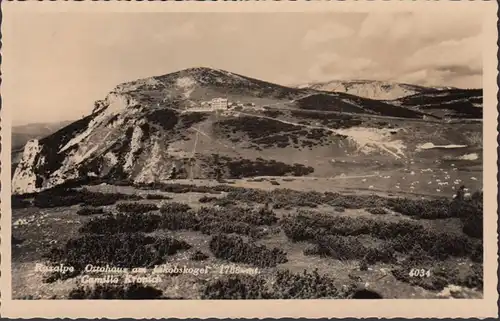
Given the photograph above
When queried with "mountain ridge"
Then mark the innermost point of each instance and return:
(157, 128)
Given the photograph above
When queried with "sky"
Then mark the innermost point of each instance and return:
(57, 65)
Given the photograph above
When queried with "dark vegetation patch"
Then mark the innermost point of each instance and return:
(181, 188)
(16, 240)
(59, 197)
(260, 167)
(136, 207)
(235, 249)
(87, 210)
(164, 118)
(334, 121)
(177, 216)
(458, 102)
(199, 256)
(405, 237)
(325, 102)
(157, 197)
(189, 119)
(273, 113)
(133, 291)
(352, 104)
(124, 250)
(207, 199)
(349, 248)
(255, 127)
(287, 285)
(377, 210)
(18, 202)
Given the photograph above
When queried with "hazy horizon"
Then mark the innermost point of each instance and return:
(65, 62)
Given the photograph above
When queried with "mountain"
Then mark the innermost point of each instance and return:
(379, 90)
(208, 123)
(23, 133)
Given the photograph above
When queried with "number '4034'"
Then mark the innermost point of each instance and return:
(420, 273)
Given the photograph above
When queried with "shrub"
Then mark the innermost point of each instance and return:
(427, 209)
(121, 223)
(260, 167)
(19, 202)
(157, 197)
(236, 287)
(199, 256)
(376, 210)
(207, 199)
(174, 207)
(348, 248)
(133, 291)
(405, 236)
(287, 285)
(234, 249)
(179, 220)
(125, 250)
(90, 211)
(136, 207)
(59, 197)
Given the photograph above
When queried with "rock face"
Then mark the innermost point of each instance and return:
(144, 129)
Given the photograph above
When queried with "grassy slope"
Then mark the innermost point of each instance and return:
(43, 230)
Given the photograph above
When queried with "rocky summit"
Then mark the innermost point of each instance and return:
(208, 123)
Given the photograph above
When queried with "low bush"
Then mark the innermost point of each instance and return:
(59, 197)
(84, 211)
(235, 249)
(178, 216)
(122, 223)
(349, 248)
(19, 202)
(177, 188)
(125, 250)
(174, 207)
(377, 210)
(133, 291)
(404, 236)
(207, 199)
(287, 285)
(236, 287)
(199, 256)
(157, 197)
(136, 207)
(260, 167)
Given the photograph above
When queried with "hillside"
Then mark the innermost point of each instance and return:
(159, 128)
(372, 89)
(448, 103)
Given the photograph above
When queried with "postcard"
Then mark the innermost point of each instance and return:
(249, 159)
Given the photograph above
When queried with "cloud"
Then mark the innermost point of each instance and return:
(465, 52)
(420, 26)
(329, 66)
(326, 33)
(449, 61)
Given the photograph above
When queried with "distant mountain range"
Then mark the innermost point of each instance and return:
(372, 89)
(23, 133)
(169, 126)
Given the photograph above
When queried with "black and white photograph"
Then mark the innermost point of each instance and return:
(245, 156)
